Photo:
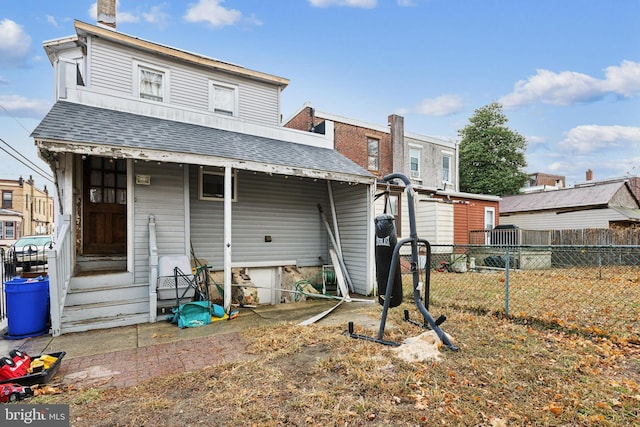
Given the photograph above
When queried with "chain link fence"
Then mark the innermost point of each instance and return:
(592, 290)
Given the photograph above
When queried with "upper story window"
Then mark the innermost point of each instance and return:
(212, 185)
(373, 152)
(151, 82)
(7, 200)
(446, 168)
(223, 98)
(414, 162)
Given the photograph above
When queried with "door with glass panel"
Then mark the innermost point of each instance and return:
(104, 212)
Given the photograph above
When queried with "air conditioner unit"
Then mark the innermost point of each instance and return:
(415, 174)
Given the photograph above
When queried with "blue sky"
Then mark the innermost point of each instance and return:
(567, 72)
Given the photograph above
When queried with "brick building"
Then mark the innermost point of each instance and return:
(34, 205)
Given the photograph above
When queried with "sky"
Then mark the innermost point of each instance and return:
(567, 72)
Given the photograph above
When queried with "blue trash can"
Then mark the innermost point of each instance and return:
(27, 307)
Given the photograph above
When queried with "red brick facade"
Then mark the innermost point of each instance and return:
(352, 141)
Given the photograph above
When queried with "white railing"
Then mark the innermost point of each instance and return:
(60, 269)
(153, 270)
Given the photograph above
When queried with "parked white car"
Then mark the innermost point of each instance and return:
(31, 250)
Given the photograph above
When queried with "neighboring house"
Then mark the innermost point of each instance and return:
(159, 151)
(444, 215)
(539, 180)
(592, 205)
(34, 205)
(10, 222)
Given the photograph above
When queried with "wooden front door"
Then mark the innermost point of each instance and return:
(105, 206)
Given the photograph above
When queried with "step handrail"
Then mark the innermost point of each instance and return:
(59, 260)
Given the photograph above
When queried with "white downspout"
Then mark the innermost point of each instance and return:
(228, 196)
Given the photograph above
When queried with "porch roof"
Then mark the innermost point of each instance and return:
(84, 129)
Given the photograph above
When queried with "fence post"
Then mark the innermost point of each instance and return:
(506, 283)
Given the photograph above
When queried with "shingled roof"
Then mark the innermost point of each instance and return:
(566, 198)
(72, 123)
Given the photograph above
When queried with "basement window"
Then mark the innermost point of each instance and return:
(211, 186)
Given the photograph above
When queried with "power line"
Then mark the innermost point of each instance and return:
(35, 168)
(14, 118)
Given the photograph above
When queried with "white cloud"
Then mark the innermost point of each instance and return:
(535, 141)
(406, 3)
(15, 46)
(624, 80)
(568, 87)
(3, 81)
(156, 15)
(19, 106)
(365, 4)
(216, 15)
(440, 106)
(591, 138)
(52, 20)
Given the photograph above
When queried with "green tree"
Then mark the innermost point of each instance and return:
(492, 156)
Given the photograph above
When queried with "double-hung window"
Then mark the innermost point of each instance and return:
(151, 82)
(414, 162)
(223, 99)
(9, 230)
(446, 168)
(373, 152)
(7, 200)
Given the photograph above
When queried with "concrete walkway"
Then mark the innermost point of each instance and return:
(125, 356)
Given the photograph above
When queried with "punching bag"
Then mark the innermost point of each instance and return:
(386, 240)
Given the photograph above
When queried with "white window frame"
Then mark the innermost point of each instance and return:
(448, 155)
(138, 66)
(213, 84)
(234, 185)
(415, 149)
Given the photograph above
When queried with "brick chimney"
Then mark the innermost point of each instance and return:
(589, 175)
(396, 124)
(107, 13)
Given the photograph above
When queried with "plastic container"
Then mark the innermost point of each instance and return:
(27, 307)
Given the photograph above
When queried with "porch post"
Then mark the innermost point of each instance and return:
(228, 196)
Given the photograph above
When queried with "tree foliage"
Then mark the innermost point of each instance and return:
(492, 156)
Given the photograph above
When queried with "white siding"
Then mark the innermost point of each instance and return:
(352, 210)
(596, 218)
(112, 70)
(164, 198)
(434, 222)
(284, 209)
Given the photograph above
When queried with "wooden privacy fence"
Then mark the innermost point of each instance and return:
(619, 236)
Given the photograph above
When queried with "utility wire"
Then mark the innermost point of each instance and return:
(14, 118)
(35, 168)
(25, 158)
(32, 166)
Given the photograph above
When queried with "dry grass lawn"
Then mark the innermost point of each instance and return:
(505, 374)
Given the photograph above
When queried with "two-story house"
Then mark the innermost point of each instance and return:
(158, 151)
(32, 205)
(444, 215)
